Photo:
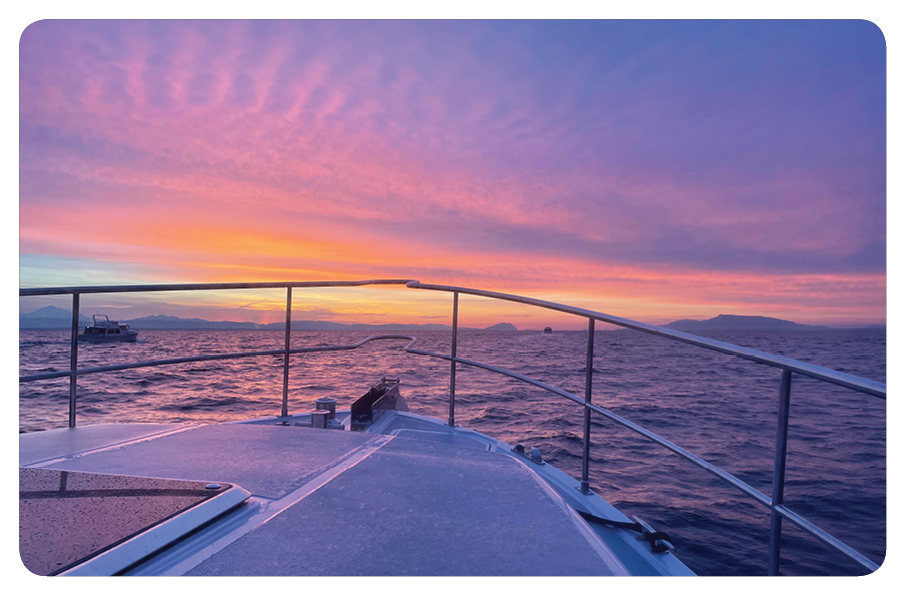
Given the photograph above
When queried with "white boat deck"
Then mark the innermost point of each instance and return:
(326, 502)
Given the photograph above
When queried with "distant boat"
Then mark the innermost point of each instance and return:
(103, 330)
(548, 330)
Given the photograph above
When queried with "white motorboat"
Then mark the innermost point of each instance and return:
(104, 330)
(374, 490)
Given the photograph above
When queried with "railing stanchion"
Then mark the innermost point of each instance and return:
(586, 453)
(73, 358)
(285, 411)
(452, 366)
(779, 469)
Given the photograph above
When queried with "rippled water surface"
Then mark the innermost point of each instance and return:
(720, 408)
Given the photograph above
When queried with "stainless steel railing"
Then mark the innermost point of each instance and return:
(787, 368)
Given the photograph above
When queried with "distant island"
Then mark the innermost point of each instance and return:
(732, 322)
(52, 317)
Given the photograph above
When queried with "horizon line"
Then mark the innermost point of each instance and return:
(281, 324)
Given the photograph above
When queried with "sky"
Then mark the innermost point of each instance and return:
(654, 170)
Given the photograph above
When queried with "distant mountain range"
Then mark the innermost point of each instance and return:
(49, 317)
(54, 317)
(731, 322)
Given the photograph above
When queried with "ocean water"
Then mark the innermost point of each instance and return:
(719, 407)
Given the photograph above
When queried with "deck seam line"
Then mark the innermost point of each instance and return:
(272, 509)
(113, 446)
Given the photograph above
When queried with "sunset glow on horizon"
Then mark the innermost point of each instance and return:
(646, 169)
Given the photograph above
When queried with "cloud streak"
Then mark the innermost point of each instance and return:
(716, 149)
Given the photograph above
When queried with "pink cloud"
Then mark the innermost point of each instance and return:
(348, 147)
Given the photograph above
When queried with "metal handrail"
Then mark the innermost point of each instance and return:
(787, 366)
(213, 357)
(205, 287)
(845, 380)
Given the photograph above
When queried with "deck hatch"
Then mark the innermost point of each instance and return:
(70, 519)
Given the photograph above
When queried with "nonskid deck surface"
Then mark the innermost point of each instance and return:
(42, 446)
(391, 505)
(418, 508)
(343, 503)
(268, 461)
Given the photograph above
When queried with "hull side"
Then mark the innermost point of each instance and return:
(113, 338)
